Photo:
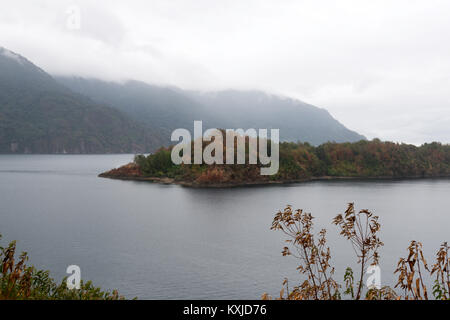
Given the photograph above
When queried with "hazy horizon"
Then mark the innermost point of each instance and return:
(380, 68)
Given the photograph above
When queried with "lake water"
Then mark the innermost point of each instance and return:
(168, 242)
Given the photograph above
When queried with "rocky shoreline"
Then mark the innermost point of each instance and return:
(131, 172)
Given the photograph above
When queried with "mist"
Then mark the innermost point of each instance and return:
(381, 68)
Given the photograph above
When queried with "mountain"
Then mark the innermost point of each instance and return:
(297, 121)
(39, 115)
(168, 108)
(158, 107)
(44, 114)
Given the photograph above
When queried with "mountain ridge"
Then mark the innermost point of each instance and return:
(39, 115)
(230, 109)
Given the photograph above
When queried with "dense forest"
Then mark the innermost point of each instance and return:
(302, 161)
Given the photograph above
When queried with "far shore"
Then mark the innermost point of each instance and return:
(193, 184)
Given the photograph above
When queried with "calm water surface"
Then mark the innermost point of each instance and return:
(168, 242)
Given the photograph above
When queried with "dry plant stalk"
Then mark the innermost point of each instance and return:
(16, 277)
(384, 293)
(410, 277)
(361, 229)
(441, 269)
(314, 256)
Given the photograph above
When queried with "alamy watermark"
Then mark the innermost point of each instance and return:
(374, 279)
(74, 280)
(213, 152)
(73, 20)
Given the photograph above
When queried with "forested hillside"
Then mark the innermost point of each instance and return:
(168, 108)
(39, 115)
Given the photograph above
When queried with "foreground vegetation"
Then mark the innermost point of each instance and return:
(361, 229)
(300, 162)
(21, 282)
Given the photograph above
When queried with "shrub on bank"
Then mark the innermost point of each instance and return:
(21, 282)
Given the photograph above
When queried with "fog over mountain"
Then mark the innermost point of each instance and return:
(73, 115)
(39, 115)
(166, 109)
(379, 67)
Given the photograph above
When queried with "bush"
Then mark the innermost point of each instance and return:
(21, 282)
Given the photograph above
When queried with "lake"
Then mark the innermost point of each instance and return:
(156, 241)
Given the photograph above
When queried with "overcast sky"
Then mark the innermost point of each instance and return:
(381, 68)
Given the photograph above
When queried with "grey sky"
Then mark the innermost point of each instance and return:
(380, 67)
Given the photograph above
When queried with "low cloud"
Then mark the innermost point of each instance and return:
(380, 67)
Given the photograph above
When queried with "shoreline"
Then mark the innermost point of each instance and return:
(191, 184)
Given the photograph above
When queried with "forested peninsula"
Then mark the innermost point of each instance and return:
(299, 162)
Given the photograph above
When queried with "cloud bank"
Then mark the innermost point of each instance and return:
(382, 68)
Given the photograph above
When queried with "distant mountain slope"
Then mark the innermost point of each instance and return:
(169, 108)
(39, 115)
(158, 107)
(297, 121)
